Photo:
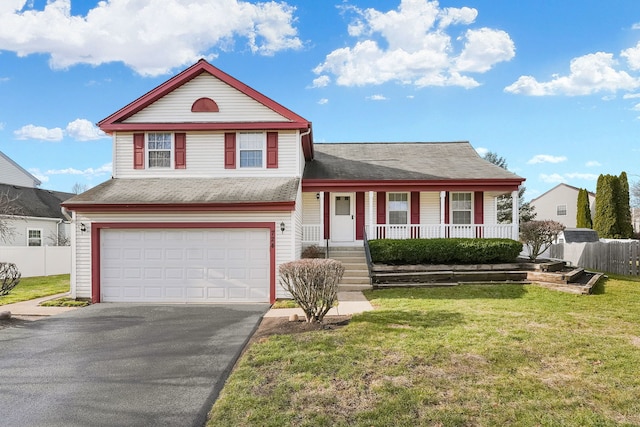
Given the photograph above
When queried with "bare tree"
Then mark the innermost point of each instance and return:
(79, 188)
(9, 208)
(634, 190)
(58, 239)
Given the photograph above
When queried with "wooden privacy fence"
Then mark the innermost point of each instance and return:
(613, 257)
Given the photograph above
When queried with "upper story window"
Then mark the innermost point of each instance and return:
(561, 210)
(461, 205)
(34, 237)
(159, 149)
(398, 208)
(251, 149)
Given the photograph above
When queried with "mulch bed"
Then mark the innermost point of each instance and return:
(282, 326)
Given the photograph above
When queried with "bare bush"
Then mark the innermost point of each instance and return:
(313, 284)
(312, 251)
(9, 277)
(538, 236)
(9, 209)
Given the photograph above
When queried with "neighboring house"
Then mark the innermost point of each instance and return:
(561, 204)
(36, 218)
(635, 219)
(215, 185)
(12, 173)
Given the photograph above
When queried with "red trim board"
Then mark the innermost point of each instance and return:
(96, 227)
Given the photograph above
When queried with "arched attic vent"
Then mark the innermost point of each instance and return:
(204, 105)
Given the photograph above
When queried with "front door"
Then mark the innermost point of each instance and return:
(342, 217)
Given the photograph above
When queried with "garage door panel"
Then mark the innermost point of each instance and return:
(193, 265)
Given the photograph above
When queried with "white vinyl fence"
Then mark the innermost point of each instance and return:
(617, 257)
(35, 261)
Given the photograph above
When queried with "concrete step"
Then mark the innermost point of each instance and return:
(356, 273)
(351, 260)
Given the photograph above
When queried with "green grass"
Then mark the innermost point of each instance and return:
(65, 302)
(487, 355)
(36, 287)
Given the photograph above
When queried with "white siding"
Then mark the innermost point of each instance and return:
(310, 209)
(490, 208)
(430, 208)
(205, 158)
(48, 227)
(546, 205)
(234, 106)
(285, 244)
(15, 175)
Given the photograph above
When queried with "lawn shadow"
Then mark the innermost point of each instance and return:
(398, 319)
(480, 291)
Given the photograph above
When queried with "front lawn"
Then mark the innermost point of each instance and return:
(36, 287)
(488, 355)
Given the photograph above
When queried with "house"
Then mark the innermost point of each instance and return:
(31, 215)
(561, 204)
(215, 185)
(13, 174)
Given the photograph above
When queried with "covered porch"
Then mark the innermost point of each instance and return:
(346, 218)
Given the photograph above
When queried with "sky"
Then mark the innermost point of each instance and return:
(551, 86)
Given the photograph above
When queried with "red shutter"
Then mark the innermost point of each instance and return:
(229, 150)
(381, 214)
(359, 215)
(138, 150)
(446, 208)
(327, 210)
(415, 213)
(478, 211)
(272, 150)
(180, 150)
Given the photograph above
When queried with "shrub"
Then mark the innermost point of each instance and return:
(539, 235)
(313, 284)
(312, 252)
(9, 277)
(444, 251)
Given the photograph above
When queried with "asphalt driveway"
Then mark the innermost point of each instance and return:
(121, 364)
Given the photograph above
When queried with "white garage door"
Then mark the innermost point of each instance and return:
(184, 265)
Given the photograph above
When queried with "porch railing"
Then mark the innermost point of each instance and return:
(311, 233)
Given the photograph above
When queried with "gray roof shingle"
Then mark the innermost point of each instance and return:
(35, 202)
(190, 191)
(401, 161)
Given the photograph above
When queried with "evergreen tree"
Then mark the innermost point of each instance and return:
(624, 208)
(583, 216)
(505, 202)
(605, 221)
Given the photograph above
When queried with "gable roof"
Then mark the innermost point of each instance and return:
(115, 121)
(265, 193)
(20, 169)
(423, 163)
(571, 187)
(36, 202)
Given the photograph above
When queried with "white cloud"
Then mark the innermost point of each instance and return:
(583, 176)
(39, 175)
(592, 164)
(377, 98)
(566, 177)
(482, 151)
(150, 37)
(552, 178)
(546, 158)
(88, 173)
(631, 95)
(84, 130)
(40, 133)
(636, 26)
(632, 56)
(79, 129)
(410, 45)
(323, 101)
(2, 125)
(589, 74)
(321, 81)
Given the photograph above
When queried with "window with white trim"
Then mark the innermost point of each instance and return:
(251, 149)
(159, 149)
(561, 210)
(461, 208)
(34, 237)
(398, 208)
